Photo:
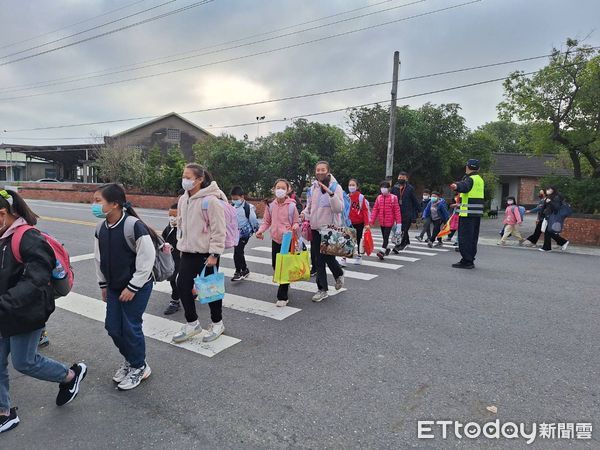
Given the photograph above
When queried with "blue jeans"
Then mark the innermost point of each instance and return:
(124, 324)
(23, 349)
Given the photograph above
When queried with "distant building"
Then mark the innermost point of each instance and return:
(18, 166)
(519, 176)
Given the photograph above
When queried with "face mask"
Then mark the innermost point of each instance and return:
(434, 199)
(426, 197)
(509, 202)
(549, 192)
(351, 189)
(402, 181)
(322, 177)
(237, 202)
(97, 211)
(384, 191)
(187, 185)
(280, 193)
(173, 221)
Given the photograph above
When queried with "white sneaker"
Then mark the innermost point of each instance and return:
(339, 282)
(342, 262)
(122, 372)
(281, 303)
(187, 332)
(214, 331)
(319, 296)
(358, 260)
(564, 246)
(135, 377)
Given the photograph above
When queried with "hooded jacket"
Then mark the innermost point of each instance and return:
(322, 209)
(279, 221)
(194, 235)
(386, 210)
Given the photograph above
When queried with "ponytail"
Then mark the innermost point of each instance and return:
(201, 172)
(16, 206)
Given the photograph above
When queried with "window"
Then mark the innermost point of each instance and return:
(50, 173)
(173, 134)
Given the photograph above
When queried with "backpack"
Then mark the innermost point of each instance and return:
(347, 205)
(249, 229)
(292, 210)
(232, 234)
(164, 266)
(61, 284)
(521, 212)
(565, 210)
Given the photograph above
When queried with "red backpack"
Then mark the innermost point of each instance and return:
(62, 286)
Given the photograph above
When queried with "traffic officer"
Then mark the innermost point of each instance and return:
(470, 213)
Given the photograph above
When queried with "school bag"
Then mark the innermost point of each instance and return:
(232, 232)
(248, 230)
(521, 212)
(347, 204)
(62, 274)
(292, 211)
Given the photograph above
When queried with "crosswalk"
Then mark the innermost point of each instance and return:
(258, 258)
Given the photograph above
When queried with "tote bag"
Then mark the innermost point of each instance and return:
(210, 288)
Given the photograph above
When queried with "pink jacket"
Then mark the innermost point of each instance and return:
(387, 210)
(323, 209)
(512, 215)
(279, 222)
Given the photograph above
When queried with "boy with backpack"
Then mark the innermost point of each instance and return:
(248, 225)
(513, 217)
(169, 235)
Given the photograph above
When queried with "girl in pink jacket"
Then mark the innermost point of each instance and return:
(512, 221)
(387, 211)
(281, 215)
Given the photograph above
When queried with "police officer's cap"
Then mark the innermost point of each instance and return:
(473, 164)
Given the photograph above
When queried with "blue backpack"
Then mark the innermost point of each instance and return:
(347, 205)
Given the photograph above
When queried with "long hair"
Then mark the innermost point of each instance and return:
(113, 193)
(201, 172)
(17, 206)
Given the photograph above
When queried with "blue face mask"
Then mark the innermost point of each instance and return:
(434, 199)
(237, 202)
(97, 211)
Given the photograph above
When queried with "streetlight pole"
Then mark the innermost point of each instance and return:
(389, 164)
(258, 119)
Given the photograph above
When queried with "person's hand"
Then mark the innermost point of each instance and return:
(260, 235)
(211, 261)
(453, 186)
(302, 217)
(367, 227)
(126, 295)
(294, 227)
(103, 294)
(548, 200)
(325, 188)
(527, 212)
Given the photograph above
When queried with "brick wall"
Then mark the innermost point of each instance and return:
(527, 191)
(582, 230)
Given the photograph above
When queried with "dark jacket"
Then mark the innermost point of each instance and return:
(26, 296)
(465, 185)
(409, 205)
(169, 234)
(552, 207)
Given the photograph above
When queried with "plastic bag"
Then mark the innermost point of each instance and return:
(368, 243)
(306, 231)
(210, 288)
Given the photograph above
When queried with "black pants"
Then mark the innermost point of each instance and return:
(238, 255)
(548, 236)
(191, 265)
(406, 223)
(468, 235)
(437, 226)
(451, 235)
(359, 227)
(282, 291)
(173, 280)
(536, 233)
(323, 261)
(385, 234)
(426, 228)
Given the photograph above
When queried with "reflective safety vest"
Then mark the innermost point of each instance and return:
(471, 203)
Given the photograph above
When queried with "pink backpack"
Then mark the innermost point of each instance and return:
(232, 234)
(62, 286)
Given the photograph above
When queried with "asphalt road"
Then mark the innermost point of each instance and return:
(421, 342)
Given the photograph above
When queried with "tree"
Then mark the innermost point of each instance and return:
(121, 163)
(563, 95)
(163, 172)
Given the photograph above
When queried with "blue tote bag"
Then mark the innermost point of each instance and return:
(210, 288)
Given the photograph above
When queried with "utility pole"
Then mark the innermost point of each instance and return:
(389, 165)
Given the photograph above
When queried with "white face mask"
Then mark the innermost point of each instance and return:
(549, 192)
(426, 197)
(173, 221)
(509, 202)
(187, 185)
(351, 189)
(384, 190)
(280, 193)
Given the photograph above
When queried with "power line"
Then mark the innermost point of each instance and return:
(17, 88)
(312, 41)
(294, 97)
(116, 30)
(20, 52)
(72, 25)
(124, 70)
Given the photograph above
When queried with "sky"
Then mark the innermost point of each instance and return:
(215, 36)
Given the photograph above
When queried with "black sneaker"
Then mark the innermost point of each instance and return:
(460, 265)
(9, 422)
(237, 276)
(244, 274)
(68, 391)
(419, 238)
(173, 307)
(387, 251)
(313, 273)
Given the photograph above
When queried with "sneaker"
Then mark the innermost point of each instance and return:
(438, 244)
(380, 255)
(9, 422)
(122, 372)
(358, 260)
(244, 274)
(173, 307)
(313, 273)
(543, 250)
(395, 252)
(187, 332)
(419, 238)
(502, 243)
(339, 282)
(564, 246)
(214, 331)
(44, 341)
(448, 239)
(429, 244)
(387, 251)
(237, 276)
(521, 242)
(528, 243)
(281, 303)
(401, 247)
(342, 262)
(135, 377)
(319, 296)
(68, 391)
(463, 266)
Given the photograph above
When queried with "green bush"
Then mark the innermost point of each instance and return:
(583, 195)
